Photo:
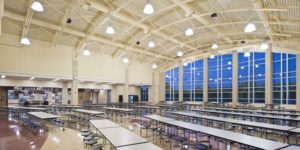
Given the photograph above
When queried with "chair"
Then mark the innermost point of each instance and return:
(201, 147)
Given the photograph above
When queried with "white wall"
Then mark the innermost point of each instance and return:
(37, 59)
(41, 60)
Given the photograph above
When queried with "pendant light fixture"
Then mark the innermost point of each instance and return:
(25, 40)
(37, 6)
(250, 27)
(179, 53)
(154, 66)
(189, 32)
(247, 54)
(86, 52)
(148, 9)
(214, 46)
(151, 44)
(125, 60)
(264, 46)
(110, 30)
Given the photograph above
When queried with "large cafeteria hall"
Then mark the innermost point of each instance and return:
(149, 74)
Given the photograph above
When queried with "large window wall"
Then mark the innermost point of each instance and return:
(251, 77)
(220, 78)
(144, 93)
(284, 78)
(172, 85)
(193, 81)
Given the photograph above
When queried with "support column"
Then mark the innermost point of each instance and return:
(234, 78)
(1, 14)
(126, 85)
(74, 79)
(298, 83)
(205, 81)
(155, 87)
(269, 77)
(65, 96)
(162, 86)
(180, 81)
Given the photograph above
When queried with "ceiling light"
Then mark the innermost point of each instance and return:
(110, 30)
(125, 60)
(148, 9)
(154, 66)
(214, 46)
(189, 32)
(212, 56)
(151, 44)
(86, 52)
(32, 78)
(250, 28)
(264, 46)
(25, 41)
(3, 76)
(37, 6)
(179, 53)
(247, 54)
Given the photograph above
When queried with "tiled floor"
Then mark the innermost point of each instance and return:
(14, 136)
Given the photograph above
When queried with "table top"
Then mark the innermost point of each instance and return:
(159, 118)
(144, 146)
(240, 122)
(297, 130)
(118, 109)
(88, 111)
(245, 114)
(104, 123)
(43, 115)
(293, 147)
(120, 136)
(151, 107)
(232, 136)
(255, 111)
(26, 108)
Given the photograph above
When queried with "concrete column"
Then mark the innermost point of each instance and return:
(154, 89)
(65, 95)
(269, 77)
(1, 14)
(74, 79)
(234, 78)
(126, 85)
(298, 83)
(205, 80)
(180, 81)
(161, 86)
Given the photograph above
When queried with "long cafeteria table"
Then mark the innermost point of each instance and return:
(143, 146)
(43, 115)
(103, 123)
(121, 138)
(118, 111)
(219, 133)
(286, 130)
(291, 121)
(146, 109)
(263, 112)
(91, 114)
